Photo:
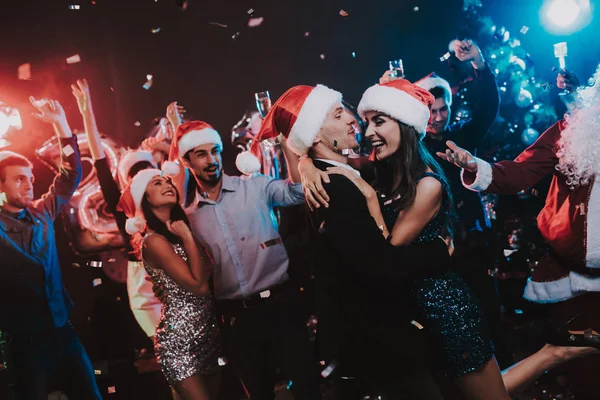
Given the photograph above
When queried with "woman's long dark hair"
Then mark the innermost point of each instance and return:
(397, 175)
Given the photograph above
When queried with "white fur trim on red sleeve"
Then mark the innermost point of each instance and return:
(483, 179)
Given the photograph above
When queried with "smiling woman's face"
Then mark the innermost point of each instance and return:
(160, 192)
(384, 134)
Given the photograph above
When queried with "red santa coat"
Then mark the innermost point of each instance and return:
(569, 222)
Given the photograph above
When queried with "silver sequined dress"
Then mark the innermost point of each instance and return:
(187, 340)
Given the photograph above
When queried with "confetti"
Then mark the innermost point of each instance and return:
(74, 7)
(75, 265)
(112, 89)
(156, 30)
(112, 389)
(68, 150)
(254, 22)
(307, 34)
(416, 9)
(235, 35)
(322, 56)
(74, 59)
(445, 57)
(24, 72)
(344, 13)
(137, 123)
(149, 82)
(218, 24)
(250, 11)
(524, 29)
(97, 372)
(327, 371)
(353, 55)
(415, 323)
(222, 361)
(508, 252)
(97, 282)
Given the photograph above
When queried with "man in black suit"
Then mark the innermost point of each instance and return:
(367, 331)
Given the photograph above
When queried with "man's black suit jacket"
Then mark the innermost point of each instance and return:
(361, 284)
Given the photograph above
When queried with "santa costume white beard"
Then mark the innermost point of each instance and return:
(579, 146)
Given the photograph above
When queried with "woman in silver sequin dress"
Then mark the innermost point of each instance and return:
(187, 340)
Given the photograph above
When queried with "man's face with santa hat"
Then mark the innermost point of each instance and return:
(338, 131)
(206, 162)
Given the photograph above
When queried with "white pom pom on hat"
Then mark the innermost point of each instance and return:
(247, 163)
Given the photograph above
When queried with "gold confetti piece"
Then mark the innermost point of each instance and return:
(254, 22)
(524, 29)
(74, 59)
(97, 372)
(344, 13)
(24, 72)
(218, 24)
(156, 30)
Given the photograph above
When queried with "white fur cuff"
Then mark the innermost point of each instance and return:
(483, 179)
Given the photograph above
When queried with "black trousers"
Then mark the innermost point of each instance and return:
(270, 335)
(56, 359)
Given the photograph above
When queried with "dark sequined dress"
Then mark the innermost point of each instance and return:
(449, 311)
(187, 339)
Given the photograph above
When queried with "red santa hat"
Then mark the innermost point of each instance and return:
(299, 115)
(432, 81)
(188, 136)
(131, 199)
(401, 100)
(128, 160)
(191, 135)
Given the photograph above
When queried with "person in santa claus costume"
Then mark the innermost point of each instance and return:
(565, 285)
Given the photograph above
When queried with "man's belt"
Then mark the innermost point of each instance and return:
(256, 299)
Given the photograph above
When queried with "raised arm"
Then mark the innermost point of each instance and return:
(486, 110)
(508, 177)
(159, 253)
(81, 91)
(69, 175)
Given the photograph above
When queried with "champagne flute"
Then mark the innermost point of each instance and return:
(560, 52)
(397, 68)
(263, 103)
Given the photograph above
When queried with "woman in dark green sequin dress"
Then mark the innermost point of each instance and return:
(411, 203)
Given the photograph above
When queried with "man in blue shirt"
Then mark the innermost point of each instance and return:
(38, 342)
(233, 217)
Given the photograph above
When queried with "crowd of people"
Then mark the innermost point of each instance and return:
(397, 243)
